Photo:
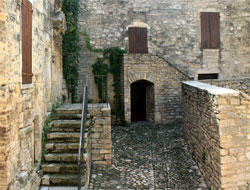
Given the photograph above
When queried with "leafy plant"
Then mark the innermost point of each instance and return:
(46, 130)
(248, 186)
(100, 68)
(70, 47)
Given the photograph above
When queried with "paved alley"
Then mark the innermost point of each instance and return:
(148, 156)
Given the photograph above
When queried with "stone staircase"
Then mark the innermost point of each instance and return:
(60, 165)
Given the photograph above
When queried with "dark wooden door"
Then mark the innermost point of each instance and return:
(138, 101)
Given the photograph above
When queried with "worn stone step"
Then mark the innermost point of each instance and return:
(58, 124)
(65, 136)
(63, 147)
(60, 179)
(68, 116)
(70, 109)
(59, 188)
(67, 125)
(63, 157)
(61, 168)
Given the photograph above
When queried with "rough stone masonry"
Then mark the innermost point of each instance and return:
(216, 128)
(174, 32)
(23, 106)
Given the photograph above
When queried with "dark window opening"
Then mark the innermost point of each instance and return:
(207, 76)
(26, 42)
(138, 42)
(210, 30)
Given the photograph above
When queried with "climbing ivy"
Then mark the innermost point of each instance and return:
(70, 48)
(100, 68)
(101, 71)
(89, 46)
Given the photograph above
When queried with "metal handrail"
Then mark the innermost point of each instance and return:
(82, 133)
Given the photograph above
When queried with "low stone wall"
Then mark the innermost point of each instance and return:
(216, 126)
(101, 133)
(87, 146)
(241, 84)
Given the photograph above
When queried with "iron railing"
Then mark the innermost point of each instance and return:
(82, 133)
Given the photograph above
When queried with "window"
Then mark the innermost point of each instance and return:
(138, 42)
(26, 42)
(207, 76)
(210, 30)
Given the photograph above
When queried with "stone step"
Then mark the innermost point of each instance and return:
(61, 125)
(63, 147)
(60, 179)
(64, 136)
(62, 157)
(67, 125)
(70, 116)
(59, 188)
(61, 168)
(70, 109)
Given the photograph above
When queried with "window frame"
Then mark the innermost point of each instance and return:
(26, 43)
(138, 40)
(208, 76)
(210, 30)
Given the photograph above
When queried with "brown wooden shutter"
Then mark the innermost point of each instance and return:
(138, 42)
(210, 30)
(205, 30)
(215, 30)
(26, 42)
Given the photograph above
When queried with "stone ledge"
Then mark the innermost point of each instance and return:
(211, 89)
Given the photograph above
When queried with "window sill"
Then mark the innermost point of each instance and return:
(26, 86)
(210, 48)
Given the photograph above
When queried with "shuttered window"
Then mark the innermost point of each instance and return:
(210, 30)
(138, 42)
(26, 42)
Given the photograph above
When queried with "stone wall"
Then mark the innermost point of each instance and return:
(241, 84)
(216, 126)
(88, 148)
(173, 32)
(23, 107)
(166, 92)
(101, 133)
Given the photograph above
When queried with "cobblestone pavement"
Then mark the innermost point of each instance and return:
(147, 156)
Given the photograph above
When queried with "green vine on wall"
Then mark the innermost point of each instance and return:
(100, 68)
(70, 48)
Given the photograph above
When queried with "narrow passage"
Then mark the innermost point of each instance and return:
(148, 156)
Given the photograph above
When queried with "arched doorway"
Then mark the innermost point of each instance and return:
(142, 101)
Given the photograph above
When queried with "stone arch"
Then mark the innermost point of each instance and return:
(133, 77)
(130, 78)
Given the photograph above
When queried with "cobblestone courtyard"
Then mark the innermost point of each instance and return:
(147, 156)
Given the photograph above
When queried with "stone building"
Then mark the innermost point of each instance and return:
(200, 39)
(31, 79)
